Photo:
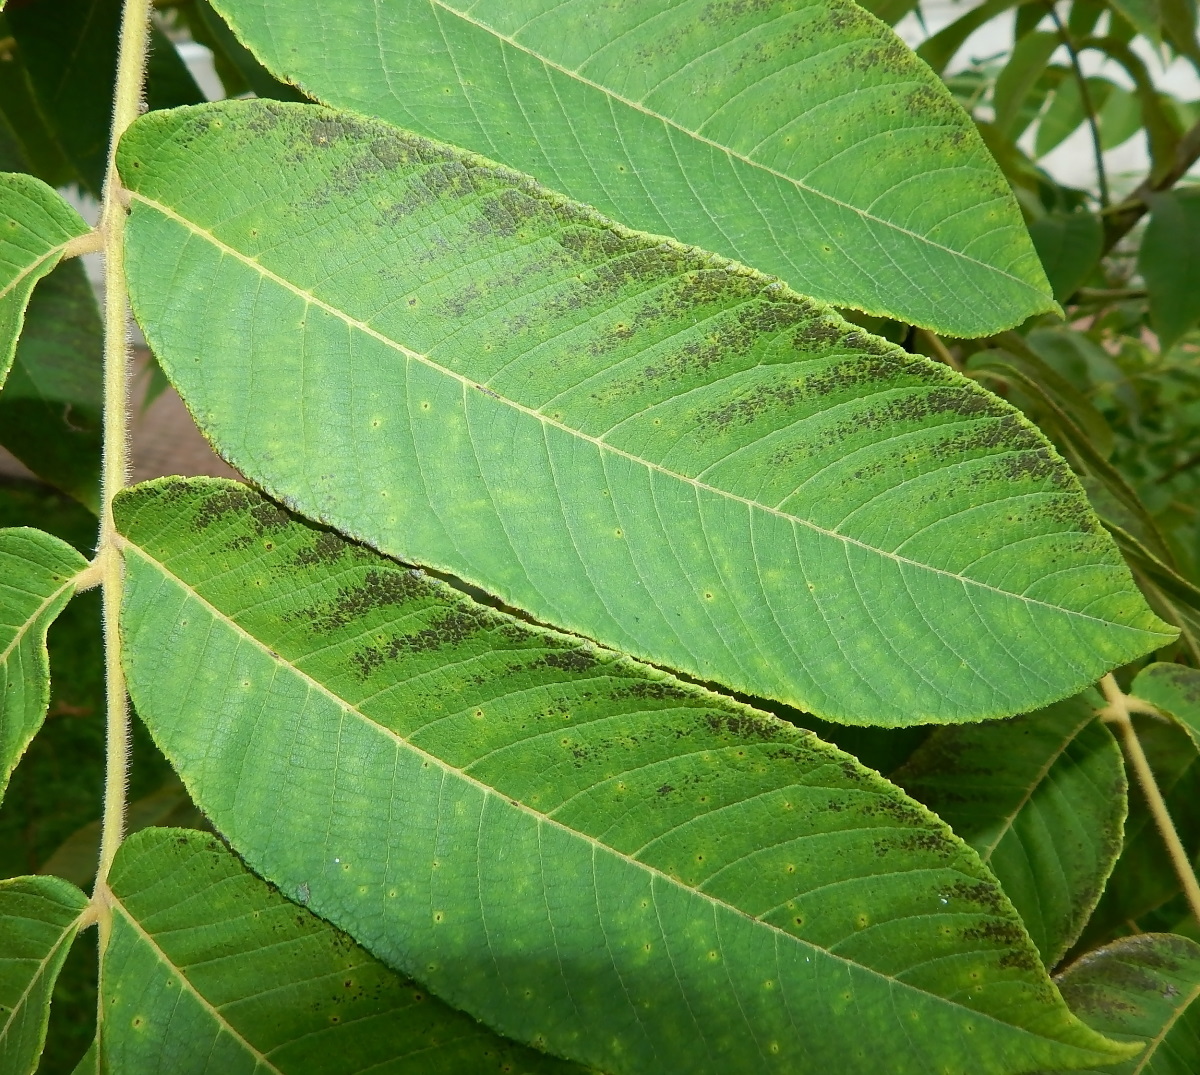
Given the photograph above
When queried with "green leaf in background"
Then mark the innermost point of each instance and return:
(70, 50)
(1169, 261)
(50, 410)
(1143, 879)
(35, 226)
(940, 48)
(235, 64)
(39, 917)
(209, 970)
(1120, 118)
(1066, 111)
(1143, 989)
(585, 853)
(638, 441)
(25, 133)
(1070, 245)
(37, 578)
(1144, 15)
(789, 135)
(1025, 66)
(1175, 690)
(1042, 799)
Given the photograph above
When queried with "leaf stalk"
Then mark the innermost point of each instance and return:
(131, 71)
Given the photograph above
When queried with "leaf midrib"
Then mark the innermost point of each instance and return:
(600, 444)
(539, 818)
(1153, 1043)
(69, 931)
(668, 122)
(1043, 772)
(53, 252)
(208, 1006)
(25, 627)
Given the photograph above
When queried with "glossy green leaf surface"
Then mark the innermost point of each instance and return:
(580, 850)
(35, 225)
(211, 972)
(38, 921)
(792, 135)
(634, 440)
(1042, 799)
(1175, 690)
(1143, 989)
(37, 574)
(1169, 261)
(50, 408)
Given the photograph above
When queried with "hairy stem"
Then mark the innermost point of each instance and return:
(1117, 712)
(131, 70)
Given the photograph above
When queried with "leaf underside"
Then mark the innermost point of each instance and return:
(792, 135)
(209, 971)
(637, 441)
(35, 225)
(38, 921)
(553, 837)
(1042, 798)
(1144, 989)
(36, 581)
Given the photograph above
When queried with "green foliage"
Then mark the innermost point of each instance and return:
(1143, 989)
(504, 448)
(530, 369)
(39, 917)
(1042, 799)
(682, 119)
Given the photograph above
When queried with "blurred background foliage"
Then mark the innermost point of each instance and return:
(1092, 109)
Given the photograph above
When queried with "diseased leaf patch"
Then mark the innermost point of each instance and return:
(635, 440)
(587, 854)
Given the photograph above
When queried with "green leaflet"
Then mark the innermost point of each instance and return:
(1143, 989)
(553, 837)
(1174, 689)
(209, 970)
(39, 917)
(1169, 263)
(50, 410)
(1143, 880)
(35, 226)
(1042, 799)
(792, 135)
(638, 441)
(37, 578)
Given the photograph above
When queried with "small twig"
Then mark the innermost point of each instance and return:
(1117, 712)
(1085, 96)
(1120, 219)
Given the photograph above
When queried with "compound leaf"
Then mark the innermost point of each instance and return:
(209, 970)
(39, 917)
(1142, 989)
(1042, 799)
(37, 578)
(585, 853)
(35, 226)
(798, 136)
(638, 441)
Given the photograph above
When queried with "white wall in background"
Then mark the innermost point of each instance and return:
(1071, 162)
